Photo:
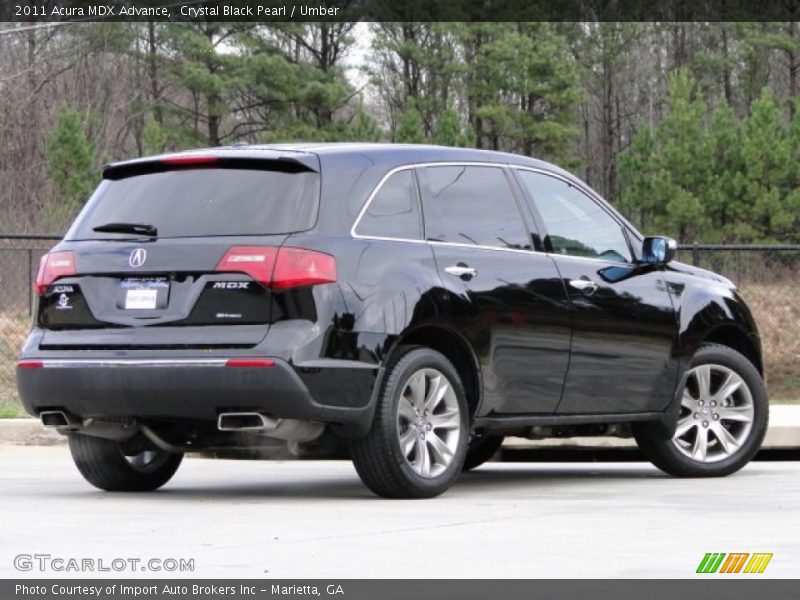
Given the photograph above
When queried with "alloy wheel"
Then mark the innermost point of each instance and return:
(428, 422)
(717, 413)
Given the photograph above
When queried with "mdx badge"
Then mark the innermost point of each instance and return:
(231, 285)
(137, 257)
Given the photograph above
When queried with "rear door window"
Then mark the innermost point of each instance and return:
(471, 205)
(394, 210)
(204, 202)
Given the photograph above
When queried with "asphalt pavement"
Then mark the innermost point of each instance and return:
(315, 520)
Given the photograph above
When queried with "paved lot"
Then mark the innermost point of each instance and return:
(314, 519)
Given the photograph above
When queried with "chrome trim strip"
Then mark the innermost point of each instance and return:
(63, 363)
(406, 168)
(480, 247)
(604, 261)
(429, 242)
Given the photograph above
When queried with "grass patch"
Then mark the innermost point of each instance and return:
(12, 411)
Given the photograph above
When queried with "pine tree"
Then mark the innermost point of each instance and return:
(769, 172)
(525, 90)
(448, 130)
(409, 129)
(70, 156)
(666, 174)
(722, 191)
(363, 127)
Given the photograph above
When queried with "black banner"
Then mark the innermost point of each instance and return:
(397, 10)
(389, 589)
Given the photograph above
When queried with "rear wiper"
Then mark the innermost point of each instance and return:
(135, 228)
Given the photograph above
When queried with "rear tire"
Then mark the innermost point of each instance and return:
(723, 418)
(103, 463)
(481, 449)
(418, 440)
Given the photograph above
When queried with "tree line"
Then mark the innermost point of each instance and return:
(692, 129)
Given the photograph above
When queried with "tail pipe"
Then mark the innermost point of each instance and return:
(59, 419)
(261, 424)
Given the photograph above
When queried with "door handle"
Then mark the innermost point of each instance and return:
(587, 286)
(462, 271)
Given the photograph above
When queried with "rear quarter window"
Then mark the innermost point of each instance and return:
(394, 210)
(204, 202)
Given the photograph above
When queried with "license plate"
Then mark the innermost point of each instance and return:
(141, 299)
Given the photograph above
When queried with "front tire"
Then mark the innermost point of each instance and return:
(722, 422)
(418, 440)
(105, 465)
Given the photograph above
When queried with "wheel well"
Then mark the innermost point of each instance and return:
(457, 351)
(733, 337)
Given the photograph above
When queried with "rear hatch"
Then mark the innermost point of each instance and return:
(175, 253)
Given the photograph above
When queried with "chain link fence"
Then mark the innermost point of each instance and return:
(19, 260)
(768, 278)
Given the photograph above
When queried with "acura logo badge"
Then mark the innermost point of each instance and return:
(137, 257)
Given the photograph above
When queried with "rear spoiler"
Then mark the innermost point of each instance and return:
(299, 163)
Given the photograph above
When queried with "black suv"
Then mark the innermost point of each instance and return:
(419, 302)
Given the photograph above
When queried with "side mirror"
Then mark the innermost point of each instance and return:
(658, 250)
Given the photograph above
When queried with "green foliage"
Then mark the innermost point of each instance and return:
(719, 161)
(449, 132)
(409, 130)
(769, 172)
(71, 164)
(363, 127)
(703, 175)
(154, 138)
(525, 89)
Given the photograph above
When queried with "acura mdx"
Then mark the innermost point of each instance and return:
(416, 302)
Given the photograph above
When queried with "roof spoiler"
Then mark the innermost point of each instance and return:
(272, 161)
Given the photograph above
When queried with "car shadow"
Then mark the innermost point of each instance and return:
(346, 485)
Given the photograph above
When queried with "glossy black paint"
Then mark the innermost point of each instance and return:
(623, 355)
(531, 347)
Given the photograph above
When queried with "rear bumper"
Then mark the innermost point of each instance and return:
(195, 388)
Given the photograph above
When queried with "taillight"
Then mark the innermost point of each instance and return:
(189, 160)
(256, 261)
(298, 267)
(280, 268)
(52, 267)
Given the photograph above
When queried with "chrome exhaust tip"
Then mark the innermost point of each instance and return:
(58, 419)
(282, 429)
(245, 421)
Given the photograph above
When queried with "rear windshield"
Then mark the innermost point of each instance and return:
(203, 202)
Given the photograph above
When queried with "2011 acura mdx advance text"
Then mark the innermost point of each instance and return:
(420, 302)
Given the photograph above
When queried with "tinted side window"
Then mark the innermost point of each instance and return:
(394, 211)
(471, 205)
(576, 224)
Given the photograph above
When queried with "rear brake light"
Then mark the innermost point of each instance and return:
(298, 267)
(280, 268)
(51, 267)
(250, 362)
(30, 364)
(256, 261)
(188, 160)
